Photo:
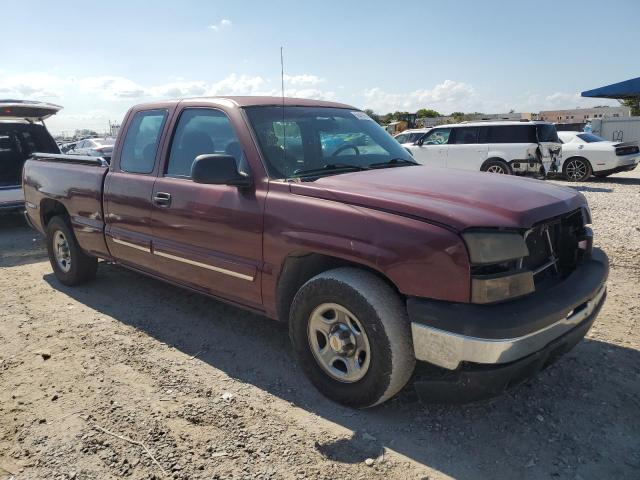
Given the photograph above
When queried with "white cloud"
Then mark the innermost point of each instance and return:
(446, 97)
(31, 85)
(535, 102)
(303, 79)
(236, 85)
(224, 23)
(112, 87)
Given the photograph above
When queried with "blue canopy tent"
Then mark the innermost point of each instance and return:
(629, 89)
(620, 90)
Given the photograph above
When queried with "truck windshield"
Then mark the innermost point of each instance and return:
(322, 141)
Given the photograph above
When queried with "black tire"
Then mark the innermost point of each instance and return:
(576, 169)
(81, 267)
(381, 313)
(497, 166)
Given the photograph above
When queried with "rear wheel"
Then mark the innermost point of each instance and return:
(352, 337)
(497, 166)
(70, 264)
(576, 169)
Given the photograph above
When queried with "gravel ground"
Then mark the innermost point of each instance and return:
(128, 377)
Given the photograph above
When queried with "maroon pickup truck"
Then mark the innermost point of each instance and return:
(310, 213)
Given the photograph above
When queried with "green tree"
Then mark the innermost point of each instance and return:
(633, 104)
(458, 116)
(427, 113)
(374, 116)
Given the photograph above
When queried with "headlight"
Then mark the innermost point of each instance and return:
(494, 247)
(496, 272)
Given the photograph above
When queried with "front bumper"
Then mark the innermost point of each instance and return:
(476, 382)
(450, 334)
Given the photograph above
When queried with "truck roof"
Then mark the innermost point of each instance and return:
(254, 101)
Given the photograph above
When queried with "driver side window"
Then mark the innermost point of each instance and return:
(201, 131)
(438, 136)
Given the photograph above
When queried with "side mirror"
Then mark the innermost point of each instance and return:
(419, 142)
(218, 169)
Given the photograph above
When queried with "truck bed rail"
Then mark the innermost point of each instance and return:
(83, 159)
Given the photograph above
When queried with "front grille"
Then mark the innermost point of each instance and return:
(553, 247)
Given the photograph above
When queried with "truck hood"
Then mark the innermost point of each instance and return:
(457, 199)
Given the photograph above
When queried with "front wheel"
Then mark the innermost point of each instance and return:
(352, 337)
(70, 264)
(576, 169)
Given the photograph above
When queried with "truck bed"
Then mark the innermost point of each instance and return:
(73, 183)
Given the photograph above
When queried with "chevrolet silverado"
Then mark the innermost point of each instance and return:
(309, 213)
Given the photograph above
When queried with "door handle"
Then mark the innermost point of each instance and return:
(162, 199)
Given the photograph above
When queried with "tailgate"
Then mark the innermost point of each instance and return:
(27, 110)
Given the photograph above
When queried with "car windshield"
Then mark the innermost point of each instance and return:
(590, 137)
(322, 141)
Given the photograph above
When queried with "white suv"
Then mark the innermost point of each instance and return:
(508, 147)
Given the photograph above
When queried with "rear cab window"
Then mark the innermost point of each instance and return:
(141, 141)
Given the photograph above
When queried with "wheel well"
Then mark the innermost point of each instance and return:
(493, 159)
(50, 208)
(564, 162)
(298, 269)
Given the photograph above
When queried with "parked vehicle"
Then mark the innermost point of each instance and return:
(20, 136)
(373, 260)
(93, 147)
(507, 147)
(67, 147)
(585, 154)
(410, 136)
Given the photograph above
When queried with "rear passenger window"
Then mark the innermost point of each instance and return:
(141, 142)
(201, 131)
(465, 136)
(512, 134)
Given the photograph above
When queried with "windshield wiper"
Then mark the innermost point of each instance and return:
(394, 162)
(331, 167)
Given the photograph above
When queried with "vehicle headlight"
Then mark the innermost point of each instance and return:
(495, 267)
(494, 247)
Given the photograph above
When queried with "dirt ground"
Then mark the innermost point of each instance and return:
(127, 377)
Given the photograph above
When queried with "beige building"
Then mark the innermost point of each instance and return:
(581, 115)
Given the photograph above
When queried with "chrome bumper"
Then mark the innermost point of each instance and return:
(448, 350)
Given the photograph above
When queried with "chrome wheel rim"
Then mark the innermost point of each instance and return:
(339, 342)
(61, 251)
(496, 169)
(576, 170)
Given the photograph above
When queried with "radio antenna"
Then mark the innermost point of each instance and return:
(284, 128)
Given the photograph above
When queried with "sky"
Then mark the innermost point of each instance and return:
(97, 59)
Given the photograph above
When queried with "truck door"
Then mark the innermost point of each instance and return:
(433, 148)
(208, 237)
(129, 187)
(466, 150)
